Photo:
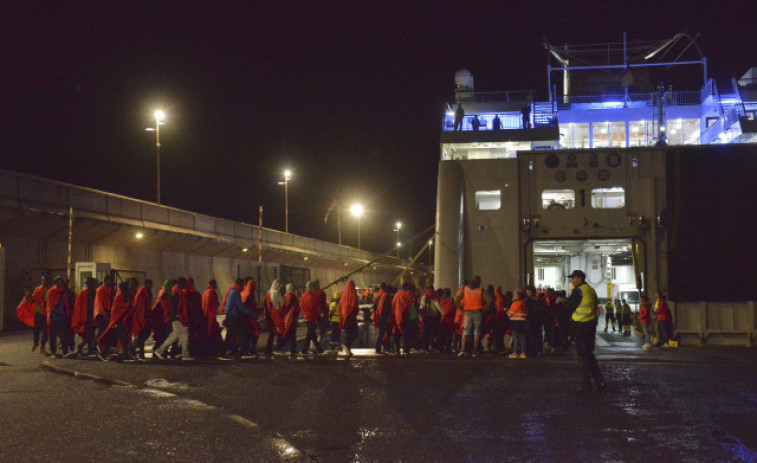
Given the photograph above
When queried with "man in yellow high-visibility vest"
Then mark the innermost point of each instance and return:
(582, 303)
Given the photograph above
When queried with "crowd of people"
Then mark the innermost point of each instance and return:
(116, 322)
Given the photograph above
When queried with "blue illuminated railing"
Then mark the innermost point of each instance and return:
(634, 100)
(508, 121)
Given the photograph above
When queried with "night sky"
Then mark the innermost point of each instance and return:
(348, 95)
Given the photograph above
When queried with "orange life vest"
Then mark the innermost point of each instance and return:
(473, 299)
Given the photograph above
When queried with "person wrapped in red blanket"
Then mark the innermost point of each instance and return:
(313, 305)
(447, 322)
(383, 318)
(141, 326)
(274, 304)
(57, 312)
(119, 313)
(83, 320)
(348, 308)
(290, 313)
(402, 305)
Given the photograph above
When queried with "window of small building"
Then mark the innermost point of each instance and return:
(558, 199)
(489, 200)
(608, 198)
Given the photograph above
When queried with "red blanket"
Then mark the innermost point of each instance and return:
(142, 308)
(348, 306)
(79, 317)
(25, 311)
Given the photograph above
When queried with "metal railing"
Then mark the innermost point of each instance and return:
(617, 100)
(506, 96)
(509, 121)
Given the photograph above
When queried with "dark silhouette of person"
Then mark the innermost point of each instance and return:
(496, 123)
(475, 123)
(459, 115)
(526, 112)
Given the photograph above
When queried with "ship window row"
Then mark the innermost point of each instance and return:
(627, 134)
(600, 198)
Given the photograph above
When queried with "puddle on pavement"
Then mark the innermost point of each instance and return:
(165, 384)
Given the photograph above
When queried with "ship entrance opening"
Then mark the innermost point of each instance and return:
(608, 264)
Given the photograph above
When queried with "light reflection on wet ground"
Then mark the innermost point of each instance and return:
(689, 405)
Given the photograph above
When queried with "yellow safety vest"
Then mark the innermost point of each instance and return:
(334, 311)
(587, 309)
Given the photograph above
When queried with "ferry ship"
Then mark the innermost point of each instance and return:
(631, 165)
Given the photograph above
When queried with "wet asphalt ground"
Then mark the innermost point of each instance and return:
(677, 405)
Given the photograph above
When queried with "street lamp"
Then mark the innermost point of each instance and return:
(287, 177)
(430, 245)
(398, 225)
(357, 211)
(159, 118)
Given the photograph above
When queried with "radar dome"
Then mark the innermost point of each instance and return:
(463, 79)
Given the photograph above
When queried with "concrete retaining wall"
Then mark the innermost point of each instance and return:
(715, 323)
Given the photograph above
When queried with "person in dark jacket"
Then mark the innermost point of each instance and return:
(535, 322)
(237, 319)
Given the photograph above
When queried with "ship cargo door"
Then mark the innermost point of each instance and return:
(611, 266)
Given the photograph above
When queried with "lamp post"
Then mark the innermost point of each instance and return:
(287, 177)
(398, 225)
(357, 211)
(430, 245)
(159, 118)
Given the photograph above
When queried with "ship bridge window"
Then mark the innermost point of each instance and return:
(608, 198)
(488, 200)
(558, 199)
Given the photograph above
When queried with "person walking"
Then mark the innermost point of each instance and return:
(179, 317)
(348, 309)
(518, 314)
(402, 305)
(334, 340)
(57, 316)
(210, 305)
(104, 296)
(382, 319)
(473, 300)
(627, 315)
(645, 318)
(582, 303)
(237, 321)
(119, 313)
(610, 315)
(501, 322)
(535, 323)
(619, 315)
(447, 321)
(311, 304)
(290, 313)
(39, 296)
(274, 304)
(83, 319)
(664, 321)
(431, 312)
(141, 322)
(160, 317)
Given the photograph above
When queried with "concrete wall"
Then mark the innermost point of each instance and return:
(715, 323)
